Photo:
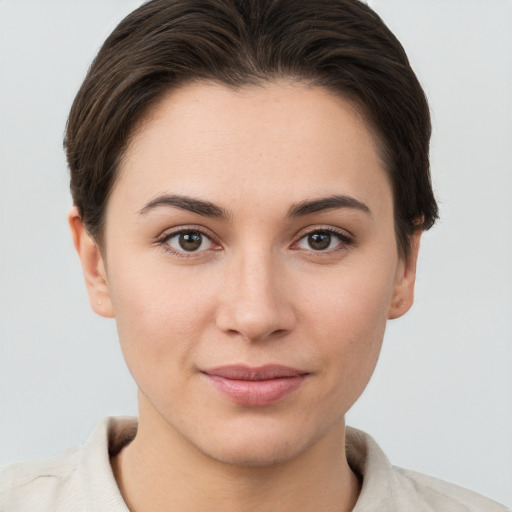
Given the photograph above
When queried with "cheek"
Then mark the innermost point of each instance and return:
(161, 316)
(351, 303)
(347, 320)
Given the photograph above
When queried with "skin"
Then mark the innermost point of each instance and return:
(256, 292)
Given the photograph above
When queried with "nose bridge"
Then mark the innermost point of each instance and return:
(254, 305)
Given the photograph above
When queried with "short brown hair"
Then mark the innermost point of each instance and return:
(339, 44)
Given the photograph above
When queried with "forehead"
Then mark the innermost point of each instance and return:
(212, 139)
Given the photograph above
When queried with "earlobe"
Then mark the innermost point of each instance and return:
(403, 294)
(93, 266)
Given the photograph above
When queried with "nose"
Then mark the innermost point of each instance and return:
(254, 302)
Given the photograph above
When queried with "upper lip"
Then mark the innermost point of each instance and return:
(243, 372)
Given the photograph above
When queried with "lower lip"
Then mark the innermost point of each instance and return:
(256, 393)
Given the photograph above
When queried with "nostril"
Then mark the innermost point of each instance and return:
(279, 332)
(257, 336)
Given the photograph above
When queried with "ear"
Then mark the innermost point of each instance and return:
(403, 293)
(93, 266)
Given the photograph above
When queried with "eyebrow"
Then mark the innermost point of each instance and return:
(327, 203)
(204, 208)
(208, 209)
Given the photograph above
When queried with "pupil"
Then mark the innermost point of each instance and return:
(319, 241)
(190, 241)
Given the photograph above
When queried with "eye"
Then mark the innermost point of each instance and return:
(188, 241)
(323, 240)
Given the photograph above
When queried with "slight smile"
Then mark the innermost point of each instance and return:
(256, 386)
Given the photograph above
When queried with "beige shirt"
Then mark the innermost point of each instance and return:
(81, 480)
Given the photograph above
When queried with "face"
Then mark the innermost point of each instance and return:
(250, 262)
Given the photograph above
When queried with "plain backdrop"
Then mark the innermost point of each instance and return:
(440, 400)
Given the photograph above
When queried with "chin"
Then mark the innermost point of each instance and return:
(254, 453)
(259, 444)
(250, 437)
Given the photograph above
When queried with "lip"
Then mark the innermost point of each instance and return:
(255, 386)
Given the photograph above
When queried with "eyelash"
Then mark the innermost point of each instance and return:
(163, 241)
(345, 241)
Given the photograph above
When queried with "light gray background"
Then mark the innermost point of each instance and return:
(440, 401)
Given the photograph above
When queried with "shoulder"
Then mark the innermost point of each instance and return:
(76, 480)
(388, 488)
(48, 484)
(435, 494)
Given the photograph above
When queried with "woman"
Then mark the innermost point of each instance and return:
(251, 181)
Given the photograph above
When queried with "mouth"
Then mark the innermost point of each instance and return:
(255, 386)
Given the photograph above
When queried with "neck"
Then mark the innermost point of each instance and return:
(161, 471)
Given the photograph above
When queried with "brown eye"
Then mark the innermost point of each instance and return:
(324, 240)
(319, 241)
(189, 241)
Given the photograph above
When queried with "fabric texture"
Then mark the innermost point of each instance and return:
(81, 479)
